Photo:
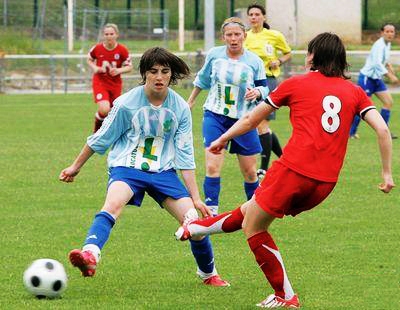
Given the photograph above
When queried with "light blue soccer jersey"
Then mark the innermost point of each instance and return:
(377, 59)
(227, 81)
(144, 136)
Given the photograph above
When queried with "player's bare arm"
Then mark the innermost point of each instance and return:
(92, 64)
(189, 178)
(243, 125)
(252, 94)
(391, 75)
(192, 98)
(374, 119)
(69, 173)
(124, 69)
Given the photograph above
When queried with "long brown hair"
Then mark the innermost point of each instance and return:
(329, 55)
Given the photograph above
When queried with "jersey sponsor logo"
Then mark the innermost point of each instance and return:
(167, 125)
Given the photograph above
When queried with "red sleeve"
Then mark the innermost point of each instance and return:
(280, 96)
(364, 102)
(126, 59)
(92, 52)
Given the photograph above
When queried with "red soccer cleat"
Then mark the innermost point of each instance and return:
(216, 281)
(84, 260)
(273, 301)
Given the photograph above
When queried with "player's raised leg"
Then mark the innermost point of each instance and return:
(118, 195)
(223, 223)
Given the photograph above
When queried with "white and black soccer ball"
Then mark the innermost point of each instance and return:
(45, 278)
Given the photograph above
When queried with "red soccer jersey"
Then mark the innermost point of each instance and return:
(321, 113)
(114, 58)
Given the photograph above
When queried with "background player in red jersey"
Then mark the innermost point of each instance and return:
(108, 60)
(322, 106)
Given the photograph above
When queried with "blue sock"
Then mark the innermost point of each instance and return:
(203, 253)
(249, 189)
(212, 188)
(354, 125)
(100, 230)
(385, 114)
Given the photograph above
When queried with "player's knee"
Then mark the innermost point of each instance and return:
(387, 104)
(104, 108)
(113, 206)
(213, 169)
(246, 229)
(250, 174)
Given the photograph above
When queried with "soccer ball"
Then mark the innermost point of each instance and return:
(45, 278)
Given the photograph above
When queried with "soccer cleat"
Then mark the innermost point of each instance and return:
(84, 260)
(393, 136)
(183, 233)
(355, 136)
(216, 281)
(261, 174)
(273, 301)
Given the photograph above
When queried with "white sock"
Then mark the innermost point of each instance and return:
(94, 249)
(205, 276)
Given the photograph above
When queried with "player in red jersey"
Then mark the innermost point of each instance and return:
(322, 106)
(108, 60)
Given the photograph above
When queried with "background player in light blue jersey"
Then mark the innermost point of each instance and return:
(149, 130)
(371, 75)
(235, 78)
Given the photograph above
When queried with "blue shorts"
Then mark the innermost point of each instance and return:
(214, 125)
(371, 86)
(159, 185)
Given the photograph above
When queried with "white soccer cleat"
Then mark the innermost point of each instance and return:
(273, 302)
(182, 233)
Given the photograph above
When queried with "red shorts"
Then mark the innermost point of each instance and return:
(102, 92)
(286, 192)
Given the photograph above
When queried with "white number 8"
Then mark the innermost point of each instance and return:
(330, 119)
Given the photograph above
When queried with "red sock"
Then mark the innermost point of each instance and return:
(270, 261)
(234, 222)
(98, 120)
(226, 222)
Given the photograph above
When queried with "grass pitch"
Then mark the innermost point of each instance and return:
(341, 255)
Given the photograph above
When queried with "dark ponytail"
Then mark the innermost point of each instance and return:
(263, 11)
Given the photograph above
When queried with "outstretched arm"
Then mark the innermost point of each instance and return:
(243, 125)
(69, 173)
(375, 120)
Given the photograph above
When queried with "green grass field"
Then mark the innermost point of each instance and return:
(342, 255)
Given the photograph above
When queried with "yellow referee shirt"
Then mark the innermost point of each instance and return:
(266, 44)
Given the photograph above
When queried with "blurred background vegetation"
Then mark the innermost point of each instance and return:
(38, 26)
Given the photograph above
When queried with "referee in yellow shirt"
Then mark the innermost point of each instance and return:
(271, 46)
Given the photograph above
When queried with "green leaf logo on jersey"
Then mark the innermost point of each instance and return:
(244, 76)
(167, 125)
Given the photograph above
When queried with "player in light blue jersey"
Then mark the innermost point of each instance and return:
(371, 75)
(149, 131)
(235, 79)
